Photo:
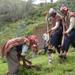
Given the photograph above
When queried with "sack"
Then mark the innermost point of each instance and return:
(45, 37)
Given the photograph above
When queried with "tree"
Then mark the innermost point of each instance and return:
(12, 10)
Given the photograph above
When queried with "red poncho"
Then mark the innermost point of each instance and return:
(33, 39)
(18, 41)
(12, 43)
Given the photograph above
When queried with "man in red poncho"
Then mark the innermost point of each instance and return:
(33, 44)
(68, 21)
(10, 50)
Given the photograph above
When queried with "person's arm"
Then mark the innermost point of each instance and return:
(72, 25)
(56, 26)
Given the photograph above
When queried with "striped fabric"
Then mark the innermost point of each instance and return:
(11, 43)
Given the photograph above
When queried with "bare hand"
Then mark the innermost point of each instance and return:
(49, 31)
(66, 34)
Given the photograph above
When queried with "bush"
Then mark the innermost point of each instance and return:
(14, 10)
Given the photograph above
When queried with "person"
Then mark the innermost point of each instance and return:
(68, 29)
(55, 32)
(56, 28)
(10, 52)
(22, 57)
(10, 49)
(30, 42)
(34, 42)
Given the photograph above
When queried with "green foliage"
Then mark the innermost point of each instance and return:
(30, 21)
(24, 71)
(31, 17)
(21, 27)
(69, 3)
(3, 67)
(55, 68)
(25, 26)
(14, 10)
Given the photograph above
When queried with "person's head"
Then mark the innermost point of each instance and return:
(52, 12)
(26, 41)
(64, 10)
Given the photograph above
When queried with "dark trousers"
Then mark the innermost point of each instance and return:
(13, 63)
(56, 39)
(68, 40)
(45, 49)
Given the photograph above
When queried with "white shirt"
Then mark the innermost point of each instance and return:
(24, 48)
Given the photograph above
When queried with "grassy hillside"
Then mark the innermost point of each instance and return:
(27, 25)
(35, 24)
(55, 68)
(3, 67)
(24, 26)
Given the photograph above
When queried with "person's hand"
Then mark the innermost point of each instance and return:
(65, 33)
(49, 31)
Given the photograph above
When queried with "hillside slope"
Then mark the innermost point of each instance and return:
(55, 68)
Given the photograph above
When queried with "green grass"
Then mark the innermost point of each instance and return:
(55, 68)
(3, 67)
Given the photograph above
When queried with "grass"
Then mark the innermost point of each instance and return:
(55, 68)
(3, 67)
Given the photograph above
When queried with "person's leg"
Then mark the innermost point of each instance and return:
(53, 39)
(13, 63)
(58, 49)
(67, 41)
(45, 49)
(49, 56)
(34, 49)
(56, 41)
(73, 44)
